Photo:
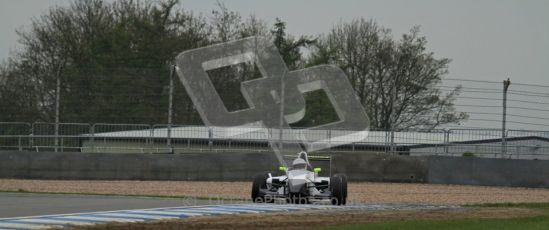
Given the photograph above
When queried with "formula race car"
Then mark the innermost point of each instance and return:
(301, 184)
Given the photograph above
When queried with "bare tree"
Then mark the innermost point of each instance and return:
(226, 25)
(396, 80)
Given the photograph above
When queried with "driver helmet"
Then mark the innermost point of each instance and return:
(299, 164)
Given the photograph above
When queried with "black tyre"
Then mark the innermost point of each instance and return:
(336, 187)
(260, 182)
(344, 184)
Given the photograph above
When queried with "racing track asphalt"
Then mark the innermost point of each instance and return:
(33, 204)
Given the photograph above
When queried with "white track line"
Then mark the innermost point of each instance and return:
(139, 215)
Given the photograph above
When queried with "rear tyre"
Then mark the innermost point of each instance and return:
(259, 183)
(344, 185)
(336, 187)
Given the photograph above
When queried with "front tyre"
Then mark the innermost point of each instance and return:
(259, 183)
(336, 187)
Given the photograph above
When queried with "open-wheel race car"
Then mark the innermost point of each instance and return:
(300, 184)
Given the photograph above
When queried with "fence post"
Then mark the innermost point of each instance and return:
(188, 143)
(210, 136)
(446, 141)
(506, 84)
(392, 142)
(386, 142)
(29, 135)
(151, 135)
(19, 143)
(170, 109)
(329, 135)
(505, 146)
(57, 100)
(92, 137)
(31, 139)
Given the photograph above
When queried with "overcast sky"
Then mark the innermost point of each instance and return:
(486, 39)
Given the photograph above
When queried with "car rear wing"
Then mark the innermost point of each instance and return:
(314, 158)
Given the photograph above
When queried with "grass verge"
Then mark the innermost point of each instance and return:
(511, 205)
(532, 222)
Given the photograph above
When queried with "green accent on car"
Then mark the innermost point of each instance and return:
(317, 170)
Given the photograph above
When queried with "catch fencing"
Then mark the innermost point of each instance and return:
(163, 138)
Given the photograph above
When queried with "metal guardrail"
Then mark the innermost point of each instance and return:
(144, 138)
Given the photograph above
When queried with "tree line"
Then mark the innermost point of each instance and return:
(113, 58)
